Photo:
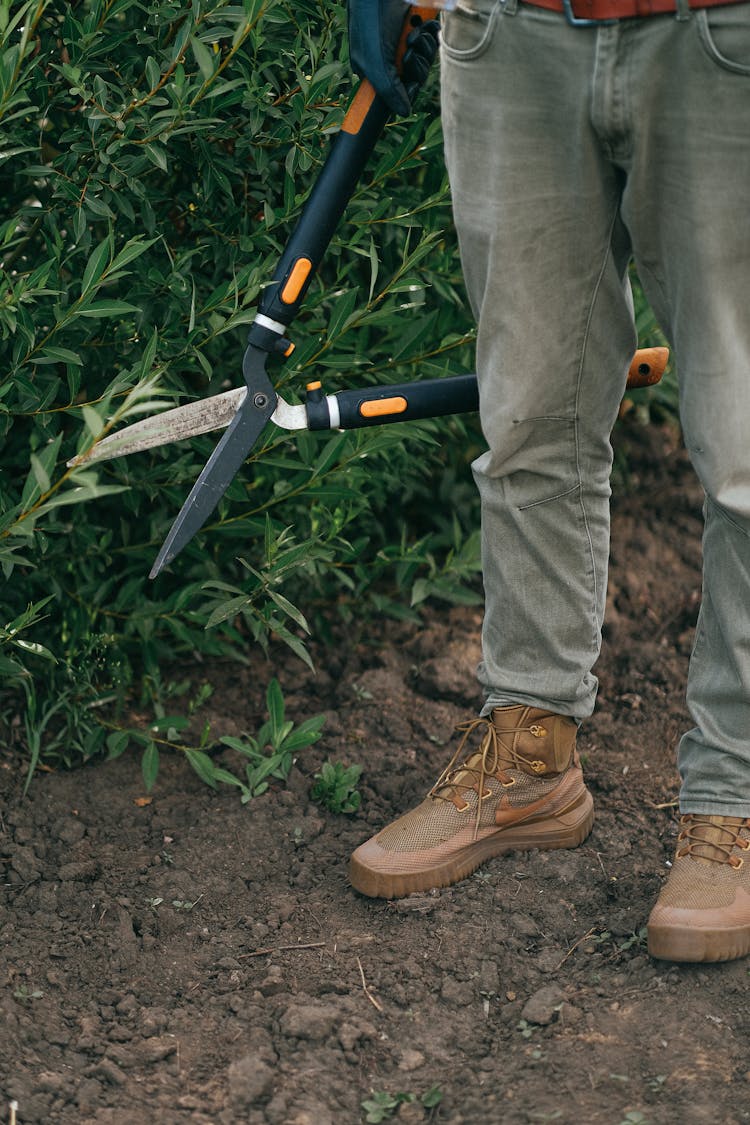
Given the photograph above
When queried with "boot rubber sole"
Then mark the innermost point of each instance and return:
(683, 943)
(566, 829)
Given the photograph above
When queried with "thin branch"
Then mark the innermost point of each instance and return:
(282, 948)
(574, 946)
(367, 992)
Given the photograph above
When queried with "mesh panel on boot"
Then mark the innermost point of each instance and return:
(528, 789)
(695, 886)
(434, 821)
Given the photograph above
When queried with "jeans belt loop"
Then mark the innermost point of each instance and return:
(577, 21)
(510, 7)
(683, 10)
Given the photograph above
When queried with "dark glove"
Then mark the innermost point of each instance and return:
(375, 28)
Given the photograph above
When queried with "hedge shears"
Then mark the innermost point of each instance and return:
(247, 410)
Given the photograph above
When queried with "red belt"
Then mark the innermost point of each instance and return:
(623, 9)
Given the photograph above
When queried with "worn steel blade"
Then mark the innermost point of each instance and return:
(182, 422)
(225, 461)
(172, 425)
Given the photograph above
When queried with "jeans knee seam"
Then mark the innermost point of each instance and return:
(545, 418)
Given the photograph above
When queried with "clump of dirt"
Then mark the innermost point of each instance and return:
(197, 960)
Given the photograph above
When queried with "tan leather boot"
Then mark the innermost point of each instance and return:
(703, 910)
(527, 772)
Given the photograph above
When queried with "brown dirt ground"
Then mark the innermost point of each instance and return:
(524, 993)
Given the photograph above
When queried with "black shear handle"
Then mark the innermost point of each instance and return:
(398, 402)
(334, 187)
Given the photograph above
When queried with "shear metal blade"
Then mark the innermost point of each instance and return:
(219, 471)
(182, 422)
(173, 425)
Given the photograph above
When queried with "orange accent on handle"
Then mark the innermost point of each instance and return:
(376, 407)
(295, 282)
(647, 367)
(359, 108)
(314, 386)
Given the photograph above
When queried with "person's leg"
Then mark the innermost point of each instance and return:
(686, 205)
(536, 204)
(545, 256)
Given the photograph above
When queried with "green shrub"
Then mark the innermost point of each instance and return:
(153, 161)
(154, 158)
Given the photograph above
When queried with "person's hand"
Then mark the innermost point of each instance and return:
(375, 28)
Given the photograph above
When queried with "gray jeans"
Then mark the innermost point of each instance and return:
(571, 150)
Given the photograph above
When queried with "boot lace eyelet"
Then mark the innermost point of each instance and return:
(736, 862)
(508, 784)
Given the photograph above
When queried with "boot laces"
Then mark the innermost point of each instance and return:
(713, 838)
(486, 761)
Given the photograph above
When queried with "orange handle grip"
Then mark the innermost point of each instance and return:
(647, 367)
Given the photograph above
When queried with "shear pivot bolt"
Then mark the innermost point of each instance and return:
(261, 401)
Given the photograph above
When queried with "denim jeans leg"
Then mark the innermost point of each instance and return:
(686, 205)
(536, 202)
(566, 147)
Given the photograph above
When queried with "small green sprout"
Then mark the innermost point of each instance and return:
(335, 787)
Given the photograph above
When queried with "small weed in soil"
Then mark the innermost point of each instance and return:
(382, 1105)
(335, 787)
(279, 736)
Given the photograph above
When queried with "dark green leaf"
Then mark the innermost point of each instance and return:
(95, 266)
(203, 57)
(150, 765)
(275, 704)
(203, 766)
(107, 308)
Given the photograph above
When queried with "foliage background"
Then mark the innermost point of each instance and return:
(153, 160)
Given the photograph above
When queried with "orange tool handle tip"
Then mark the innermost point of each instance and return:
(647, 367)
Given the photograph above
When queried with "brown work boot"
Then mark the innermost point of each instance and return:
(532, 796)
(703, 911)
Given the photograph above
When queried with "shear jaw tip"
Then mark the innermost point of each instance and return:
(158, 567)
(162, 560)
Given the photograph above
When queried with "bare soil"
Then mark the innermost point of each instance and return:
(197, 960)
